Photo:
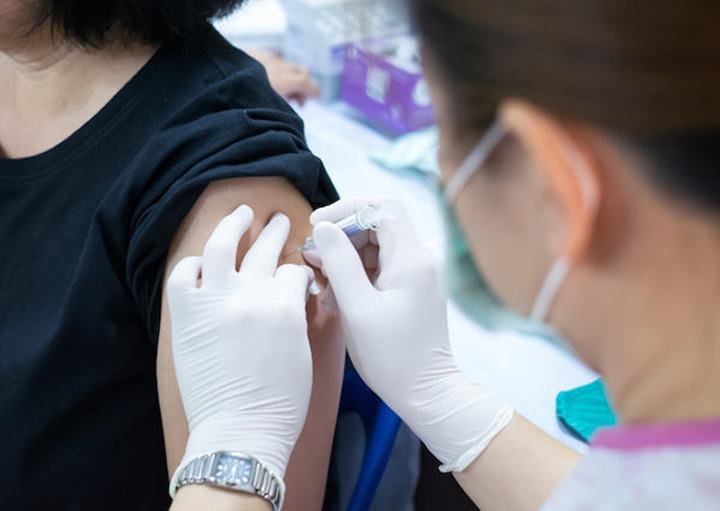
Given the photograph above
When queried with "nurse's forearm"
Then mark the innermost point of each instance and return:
(519, 470)
(202, 498)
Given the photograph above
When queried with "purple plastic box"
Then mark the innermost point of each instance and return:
(394, 97)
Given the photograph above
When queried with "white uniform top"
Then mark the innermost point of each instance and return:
(650, 468)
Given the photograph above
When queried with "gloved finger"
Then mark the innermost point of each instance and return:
(368, 256)
(185, 275)
(344, 208)
(312, 257)
(297, 280)
(341, 210)
(341, 264)
(221, 248)
(397, 239)
(361, 241)
(262, 258)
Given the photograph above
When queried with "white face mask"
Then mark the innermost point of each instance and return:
(475, 161)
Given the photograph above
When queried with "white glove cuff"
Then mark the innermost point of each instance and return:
(502, 419)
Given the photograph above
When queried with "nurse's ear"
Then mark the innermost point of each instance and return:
(567, 172)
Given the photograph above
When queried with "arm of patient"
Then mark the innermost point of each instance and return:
(195, 497)
(307, 471)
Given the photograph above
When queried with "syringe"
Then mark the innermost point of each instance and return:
(370, 218)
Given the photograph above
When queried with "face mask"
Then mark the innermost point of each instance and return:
(466, 285)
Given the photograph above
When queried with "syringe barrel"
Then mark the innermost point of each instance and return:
(367, 219)
(353, 224)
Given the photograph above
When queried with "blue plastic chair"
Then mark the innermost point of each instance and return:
(380, 425)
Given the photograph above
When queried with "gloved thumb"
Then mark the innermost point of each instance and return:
(341, 264)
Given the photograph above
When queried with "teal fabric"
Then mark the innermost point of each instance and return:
(414, 151)
(585, 409)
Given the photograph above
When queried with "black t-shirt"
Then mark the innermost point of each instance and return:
(84, 232)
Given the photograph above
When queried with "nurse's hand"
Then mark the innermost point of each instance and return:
(394, 308)
(240, 344)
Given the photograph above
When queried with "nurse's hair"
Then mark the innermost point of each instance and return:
(94, 22)
(645, 71)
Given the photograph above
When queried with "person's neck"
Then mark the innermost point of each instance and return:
(49, 88)
(667, 362)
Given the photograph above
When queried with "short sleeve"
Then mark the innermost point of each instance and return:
(188, 154)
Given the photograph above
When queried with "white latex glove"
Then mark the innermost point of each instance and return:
(398, 336)
(240, 344)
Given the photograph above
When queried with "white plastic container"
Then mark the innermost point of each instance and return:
(320, 31)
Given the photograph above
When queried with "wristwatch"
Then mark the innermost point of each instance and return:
(232, 471)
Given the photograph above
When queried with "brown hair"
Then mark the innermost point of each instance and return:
(645, 71)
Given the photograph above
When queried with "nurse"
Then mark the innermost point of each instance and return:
(580, 144)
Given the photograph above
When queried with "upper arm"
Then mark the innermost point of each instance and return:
(266, 195)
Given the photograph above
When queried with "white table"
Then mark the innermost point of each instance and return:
(526, 371)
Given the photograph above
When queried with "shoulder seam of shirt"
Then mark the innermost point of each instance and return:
(218, 68)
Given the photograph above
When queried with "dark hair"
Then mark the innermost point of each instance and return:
(646, 71)
(89, 22)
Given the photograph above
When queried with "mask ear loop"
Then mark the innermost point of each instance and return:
(562, 266)
(474, 161)
(551, 286)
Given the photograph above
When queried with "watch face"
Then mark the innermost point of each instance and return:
(232, 470)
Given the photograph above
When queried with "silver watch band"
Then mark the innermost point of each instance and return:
(233, 471)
